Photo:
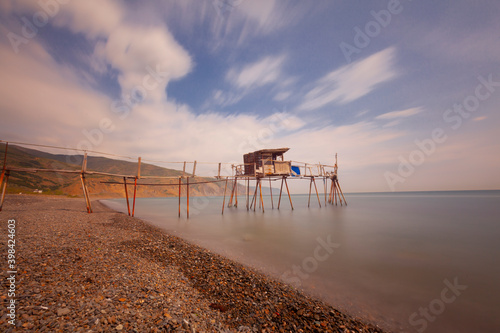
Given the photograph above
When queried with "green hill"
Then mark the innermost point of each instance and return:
(70, 184)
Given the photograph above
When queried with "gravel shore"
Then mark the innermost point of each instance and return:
(108, 272)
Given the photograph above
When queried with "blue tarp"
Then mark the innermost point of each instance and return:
(295, 171)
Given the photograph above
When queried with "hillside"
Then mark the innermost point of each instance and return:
(69, 184)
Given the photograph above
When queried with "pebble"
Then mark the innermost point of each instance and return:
(106, 271)
(62, 312)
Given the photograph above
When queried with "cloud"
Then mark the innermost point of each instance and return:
(262, 72)
(283, 95)
(93, 20)
(137, 51)
(351, 81)
(45, 101)
(459, 36)
(244, 79)
(399, 114)
(78, 16)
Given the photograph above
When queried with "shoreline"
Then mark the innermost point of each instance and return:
(106, 270)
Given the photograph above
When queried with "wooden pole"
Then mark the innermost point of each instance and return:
(281, 190)
(218, 172)
(139, 167)
(338, 193)
(224, 201)
(289, 197)
(340, 189)
(4, 163)
(248, 192)
(84, 185)
(85, 193)
(135, 193)
(187, 194)
(4, 189)
(253, 197)
(126, 194)
(324, 186)
(261, 199)
(317, 194)
(330, 197)
(271, 190)
(310, 187)
(194, 168)
(230, 203)
(235, 191)
(135, 184)
(335, 196)
(84, 163)
(184, 170)
(180, 186)
(254, 200)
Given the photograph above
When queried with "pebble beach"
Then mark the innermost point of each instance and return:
(108, 272)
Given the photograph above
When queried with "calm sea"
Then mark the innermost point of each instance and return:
(410, 262)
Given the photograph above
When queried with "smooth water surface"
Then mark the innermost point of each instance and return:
(412, 262)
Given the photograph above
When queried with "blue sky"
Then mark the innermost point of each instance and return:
(406, 92)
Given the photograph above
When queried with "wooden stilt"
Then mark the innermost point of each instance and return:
(271, 190)
(135, 184)
(187, 194)
(289, 197)
(84, 184)
(180, 187)
(335, 193)
(281, 191)
(330, 192)
(261, 199)
(1, 177)
(230, 204)
(338, 193)
(340, 189)
(317, 194)
(126, 194)
(310, 187)
(4, 167)
(86, 193)
(254, 200)
(224, 200)
(4, 188)
(248, 192)
(324, 186)
(235, 191)
(135, 194)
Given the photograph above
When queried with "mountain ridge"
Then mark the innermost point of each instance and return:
(69, 184)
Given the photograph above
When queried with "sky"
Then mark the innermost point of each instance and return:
(405, 92)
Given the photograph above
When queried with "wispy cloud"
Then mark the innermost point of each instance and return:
(246, 78)
(352, 81)
(264, 71)
(399, 114)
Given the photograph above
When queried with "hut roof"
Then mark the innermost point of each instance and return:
(273, 151)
